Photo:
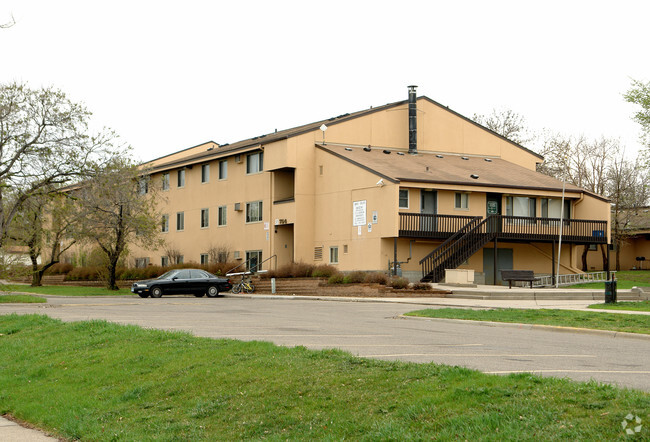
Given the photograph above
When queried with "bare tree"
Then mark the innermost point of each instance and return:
(43, 144)
(628, 191)
(174, 255)
(115, 213)
(219, 253)
(508, 124)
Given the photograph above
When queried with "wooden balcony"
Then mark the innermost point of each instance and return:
(506, 228)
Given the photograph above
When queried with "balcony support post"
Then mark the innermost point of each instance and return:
(553, 263)
(395, 256)
(496, 259)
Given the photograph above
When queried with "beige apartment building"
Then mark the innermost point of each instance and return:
(381, 188)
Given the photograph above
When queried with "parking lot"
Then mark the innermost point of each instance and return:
(376, 330)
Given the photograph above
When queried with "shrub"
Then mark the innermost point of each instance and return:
(336, 278)
(421, 286)
(59, 268)
(292, 270)
(355, 277)
(399, 283)
(324, 271)
(376, 278)
(84, 274)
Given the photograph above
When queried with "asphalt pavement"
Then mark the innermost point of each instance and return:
(374, 328)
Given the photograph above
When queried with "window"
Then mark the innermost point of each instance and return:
(255, 162)
(164, 261)
(205, 173)
(222, 215)
(205, 218)
(254, 212)
(181, 178)
(521, 206)
(253, 258)
(223, 169)
(334, 255)
(204, 258)
(180, 221)
(143, 186)
(141, 263)
(552, 208)
(593, 247)
(165, 224)
(345, 248)
(180, 259)
(461, 201)
(403, 199)
(165, 181)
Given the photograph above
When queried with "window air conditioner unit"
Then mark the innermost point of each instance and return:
(237, 207)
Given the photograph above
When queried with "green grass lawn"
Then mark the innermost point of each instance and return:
(640, 306)
(21, 299)
(626, 280)
(102, 381)
(563, 318)
(65, 290)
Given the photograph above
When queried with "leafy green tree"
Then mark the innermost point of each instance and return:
(639, 94)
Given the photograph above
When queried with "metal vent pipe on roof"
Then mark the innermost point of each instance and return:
(413, 121)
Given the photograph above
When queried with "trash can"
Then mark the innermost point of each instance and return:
(610, 291)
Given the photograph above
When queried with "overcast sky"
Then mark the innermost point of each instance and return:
(169, 75)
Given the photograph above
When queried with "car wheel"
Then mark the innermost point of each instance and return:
(143, 295)
(156, 292)
(213, 291)
(199, 295)
(250, 288)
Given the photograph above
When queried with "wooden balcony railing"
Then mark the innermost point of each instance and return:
(513, 228)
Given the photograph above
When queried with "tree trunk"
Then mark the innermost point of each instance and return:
(37, 276)
(604, 253)
(112, 267)
(584, 258)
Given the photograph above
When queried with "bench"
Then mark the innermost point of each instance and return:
(518, 275)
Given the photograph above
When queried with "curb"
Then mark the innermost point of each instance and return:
(556, 328)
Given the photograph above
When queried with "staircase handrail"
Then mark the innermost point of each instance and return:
(453, 237)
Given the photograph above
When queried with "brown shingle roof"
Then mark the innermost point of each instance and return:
(249, 143)
(447, 169)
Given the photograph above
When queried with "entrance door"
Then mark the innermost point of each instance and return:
(493, 207)
(504, 257)
(428, 206)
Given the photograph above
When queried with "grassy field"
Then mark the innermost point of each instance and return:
(21, 299)
(563, 318)
(101, 381)
(626, 280)
(641, 306)
(65, 290)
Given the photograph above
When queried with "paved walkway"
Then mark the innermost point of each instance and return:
(12, 432)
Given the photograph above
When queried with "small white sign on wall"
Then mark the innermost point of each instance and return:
(359, 230)
(374, 217)
(369, 227)
(359, 213)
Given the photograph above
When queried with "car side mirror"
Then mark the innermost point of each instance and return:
(174, 278)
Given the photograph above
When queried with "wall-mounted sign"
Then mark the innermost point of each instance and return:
(492, 208)
(369, 227)
(359, 213)
(374, 217)
(266, 225)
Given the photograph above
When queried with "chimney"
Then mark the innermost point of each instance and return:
(413, 121)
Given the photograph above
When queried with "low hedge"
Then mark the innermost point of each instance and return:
(94, 273)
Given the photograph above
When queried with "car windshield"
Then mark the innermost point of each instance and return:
(168, 275)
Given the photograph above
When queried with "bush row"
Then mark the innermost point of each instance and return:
(93, 273)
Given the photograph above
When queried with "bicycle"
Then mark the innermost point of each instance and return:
(244, 285)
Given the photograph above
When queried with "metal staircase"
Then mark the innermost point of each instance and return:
(458, 248)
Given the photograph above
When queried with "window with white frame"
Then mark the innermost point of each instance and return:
(521, 206)
(205, 218)
(165, 181)
(461, 201)
(141, 263)
(254, 212)
(204, 258)
(180, 221)
(221, 215)
(164, 261)
(403, 199)
(334, 255)
(180, 259)
(255, 162)
(165, 223)
(205, 173)
(253, 260)
(223, 169)
(181, 178)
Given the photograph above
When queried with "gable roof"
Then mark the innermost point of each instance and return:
(251, 143)
(429, 167)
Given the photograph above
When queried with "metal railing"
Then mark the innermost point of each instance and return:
(516, 228)
(571, 279)
(256, 268)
